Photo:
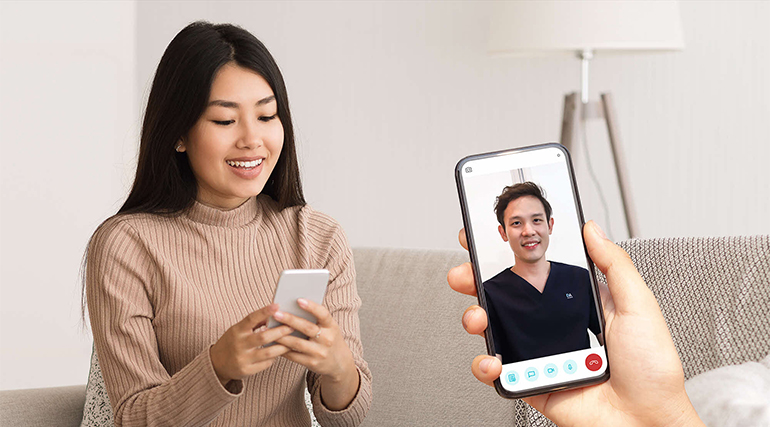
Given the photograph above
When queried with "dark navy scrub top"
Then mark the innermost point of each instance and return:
(527, 324)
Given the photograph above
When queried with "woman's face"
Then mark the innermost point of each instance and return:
(235, 144)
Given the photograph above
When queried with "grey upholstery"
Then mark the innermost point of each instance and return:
(42, 407)
(714, 294)
(418, 352)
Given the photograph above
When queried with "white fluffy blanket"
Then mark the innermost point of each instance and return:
(737, 395)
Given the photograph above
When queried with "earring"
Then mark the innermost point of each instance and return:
(178, 147)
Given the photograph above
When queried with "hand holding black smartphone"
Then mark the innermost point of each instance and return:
(523, 222)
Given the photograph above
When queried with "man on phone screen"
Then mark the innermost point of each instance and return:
(536, 308)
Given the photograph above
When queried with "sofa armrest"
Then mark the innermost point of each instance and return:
(55, 406)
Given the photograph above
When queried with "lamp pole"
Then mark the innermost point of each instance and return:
(585, 57)
(599, 110)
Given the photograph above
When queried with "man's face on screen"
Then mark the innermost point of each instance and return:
(526, 229)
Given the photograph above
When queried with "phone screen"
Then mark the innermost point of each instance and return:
(534, 278)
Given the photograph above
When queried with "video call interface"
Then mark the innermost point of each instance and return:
(527, 236)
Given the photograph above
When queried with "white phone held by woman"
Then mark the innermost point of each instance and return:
(523, 222)
(295, 284)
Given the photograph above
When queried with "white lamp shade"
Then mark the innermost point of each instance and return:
(529, 27)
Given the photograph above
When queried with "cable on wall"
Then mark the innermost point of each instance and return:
(608, 226)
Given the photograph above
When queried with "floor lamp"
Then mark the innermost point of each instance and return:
(586, 28)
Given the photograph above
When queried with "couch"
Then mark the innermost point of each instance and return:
(714, 294)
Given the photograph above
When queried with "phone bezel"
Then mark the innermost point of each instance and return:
(477, 273)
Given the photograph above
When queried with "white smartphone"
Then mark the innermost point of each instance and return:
(294, 284)
(523, 222)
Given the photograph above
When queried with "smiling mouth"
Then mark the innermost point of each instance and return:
(244, 165)
(531, 244)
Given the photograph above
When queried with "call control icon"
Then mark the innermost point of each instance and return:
(512, 377)
(570, 366)
(531, 374)
(550, 370)
(593, 362)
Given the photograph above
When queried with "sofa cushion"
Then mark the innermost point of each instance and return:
(42, 407)
(714, 293)
(415, 345)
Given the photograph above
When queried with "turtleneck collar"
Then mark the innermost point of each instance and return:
(242, 215)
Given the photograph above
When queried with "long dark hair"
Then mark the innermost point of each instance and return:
(164, 182)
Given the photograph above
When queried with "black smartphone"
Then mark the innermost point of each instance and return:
(523, 222)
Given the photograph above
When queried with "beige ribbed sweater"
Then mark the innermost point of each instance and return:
(162, 290)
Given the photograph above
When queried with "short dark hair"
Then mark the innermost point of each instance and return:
(164, 182)
(513, 192)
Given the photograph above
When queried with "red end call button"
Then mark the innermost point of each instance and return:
(593, 362)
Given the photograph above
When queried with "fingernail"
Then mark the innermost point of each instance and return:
(467, 317)
(302, 302)
(278, 315)
(484, 365)
(599, 230)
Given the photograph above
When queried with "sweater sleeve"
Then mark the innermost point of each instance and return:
(119, 287)
(343, 303)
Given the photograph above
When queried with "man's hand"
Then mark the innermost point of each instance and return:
(646, 386)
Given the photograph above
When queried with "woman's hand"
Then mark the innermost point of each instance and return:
(646, 386)
(325, 352)
(238, 353)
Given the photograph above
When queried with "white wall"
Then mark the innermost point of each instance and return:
(67, 121)
(386, 96)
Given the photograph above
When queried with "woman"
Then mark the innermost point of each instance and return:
(180, 282)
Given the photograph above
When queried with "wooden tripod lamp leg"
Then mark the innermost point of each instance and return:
(573, 114)
(620, 165)
(569, 121)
